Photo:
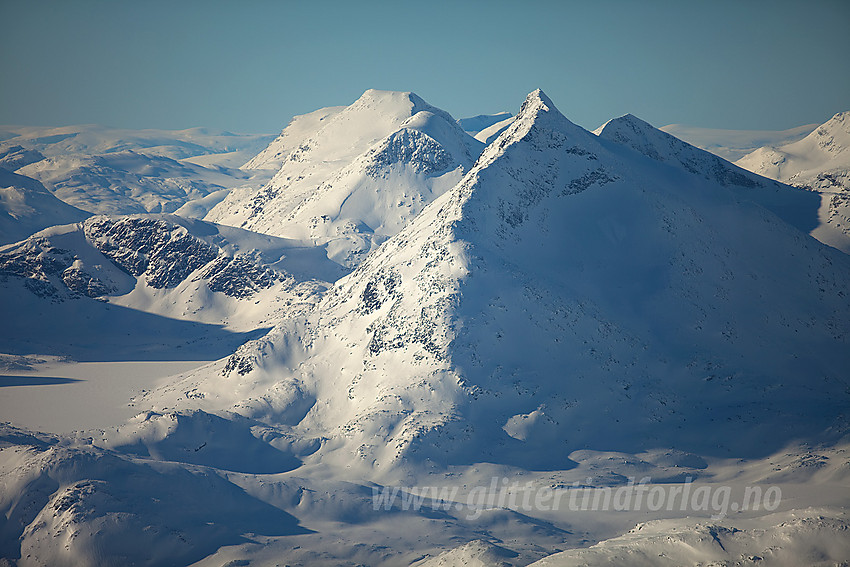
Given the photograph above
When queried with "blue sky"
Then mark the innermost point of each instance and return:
(248, 66)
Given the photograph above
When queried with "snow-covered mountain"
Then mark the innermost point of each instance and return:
(108, 171)
(732, 145)
(795, 206)
(492, 132)
(819, 162)
(366, 171)
(128, 182)
(27, 207)
(298, 129)
(576, 312)
(475, 124)
(116, 270)
(486, 127)
(16, 157)
(808, 537)
(212, 147)
(569, 292)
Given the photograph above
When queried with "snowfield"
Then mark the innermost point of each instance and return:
(495, 341)
(820, 162)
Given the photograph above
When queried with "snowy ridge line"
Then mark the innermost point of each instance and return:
(633, 496)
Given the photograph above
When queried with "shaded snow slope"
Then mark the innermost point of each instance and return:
(569, 293)
(72, 505)
(797, 207)
(819, 162)
(359, 178)
(26, 207)
(16, 157)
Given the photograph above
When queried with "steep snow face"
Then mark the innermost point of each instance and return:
(298, 129)
(567, 293)
(819, 162)
(26, 207)
(795, 206)
(368, 170)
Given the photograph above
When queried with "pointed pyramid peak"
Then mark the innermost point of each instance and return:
(538, 108)
(632, 119)
(536, 101)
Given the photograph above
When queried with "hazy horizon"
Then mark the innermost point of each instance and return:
(250, 67)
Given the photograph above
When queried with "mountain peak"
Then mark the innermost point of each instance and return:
(380, 95)
(833, 136)
(536, 102)
(629, 122)
(404, 101)
(840, 119)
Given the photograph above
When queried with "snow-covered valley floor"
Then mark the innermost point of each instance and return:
(64, 397)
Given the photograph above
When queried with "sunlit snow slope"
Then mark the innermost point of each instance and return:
(366, 171)
(819, 162)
